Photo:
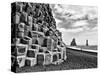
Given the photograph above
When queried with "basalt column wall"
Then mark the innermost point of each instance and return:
(34, 37)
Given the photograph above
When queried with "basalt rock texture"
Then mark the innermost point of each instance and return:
(35, 39)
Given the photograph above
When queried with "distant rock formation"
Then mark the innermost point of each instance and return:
(73, 43)
(87, 43)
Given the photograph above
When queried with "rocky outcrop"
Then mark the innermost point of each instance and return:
(73, 43)
(34, 37)
(87, 43)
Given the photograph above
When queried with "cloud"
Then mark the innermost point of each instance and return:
(80, 23)
(71, 30)
(66, 24)
(74, 10)
(95, 28)
(75, 17)
(75, 30)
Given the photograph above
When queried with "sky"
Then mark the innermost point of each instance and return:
(76, 21)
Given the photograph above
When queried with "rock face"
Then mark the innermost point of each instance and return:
(87, 43)
(34, 37)
(73, 43)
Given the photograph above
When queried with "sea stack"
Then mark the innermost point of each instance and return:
(87, 43)
(73, 43)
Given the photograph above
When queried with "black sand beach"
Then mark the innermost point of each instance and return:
(75, 60)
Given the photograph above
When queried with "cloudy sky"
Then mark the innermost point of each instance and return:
(75, 21)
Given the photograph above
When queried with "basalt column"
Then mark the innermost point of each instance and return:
(34, 37)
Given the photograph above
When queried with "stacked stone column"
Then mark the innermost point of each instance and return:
(34, 37)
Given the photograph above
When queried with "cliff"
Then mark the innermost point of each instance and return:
(34, 37)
